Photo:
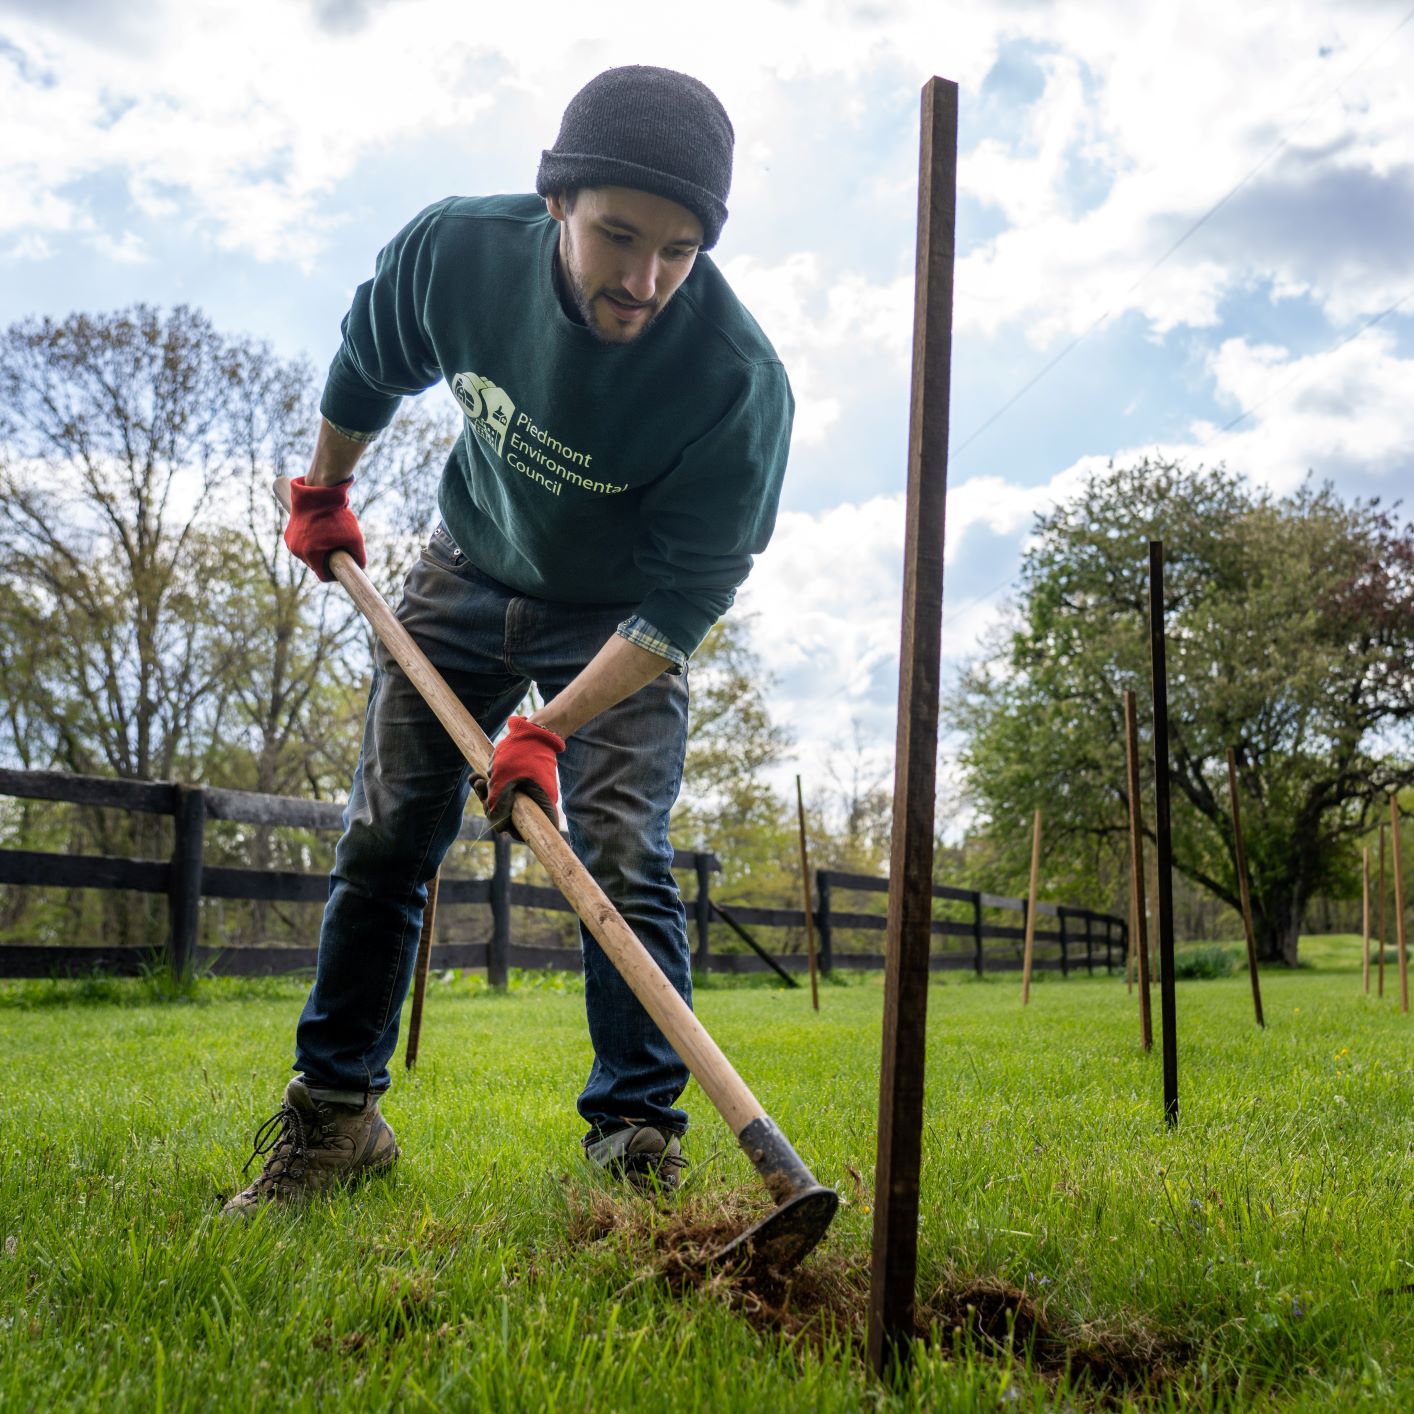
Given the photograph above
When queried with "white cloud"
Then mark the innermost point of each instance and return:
(826, 592)
(30, 246)
(127, 249)
(832, 328)
(1025, 180)
(1342, 411)
(824, 604)
(251, 113)
(1344, 414)
(1180, 106)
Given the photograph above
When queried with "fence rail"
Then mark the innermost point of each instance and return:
(185, 878)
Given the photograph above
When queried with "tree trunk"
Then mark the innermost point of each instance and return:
(1278, 928)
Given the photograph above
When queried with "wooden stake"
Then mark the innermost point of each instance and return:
(1168, 1008)
(1384, 919)
(1244, 892)
(1365, 912)
(1029, 948)
(1399, 904)
(419, 976)
(1136, 869)
(894, 1266)
(805, 897)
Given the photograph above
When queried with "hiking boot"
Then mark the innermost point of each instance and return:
(650, 1159)
(313, 1145)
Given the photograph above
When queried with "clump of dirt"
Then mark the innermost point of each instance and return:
(1109, 1359)
(826, 1299)
(676, 1243)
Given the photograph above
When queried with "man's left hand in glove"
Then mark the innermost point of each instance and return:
(523, 762)
(524, 758)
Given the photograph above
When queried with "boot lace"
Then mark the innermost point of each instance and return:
(668, 1166)
(646, 1169)
(287, 1137)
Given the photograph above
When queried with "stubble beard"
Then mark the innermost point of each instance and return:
(584, 301)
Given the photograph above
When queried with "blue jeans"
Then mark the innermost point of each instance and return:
(619, 774)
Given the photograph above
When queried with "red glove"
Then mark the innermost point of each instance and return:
(524, 761)
(320, 523)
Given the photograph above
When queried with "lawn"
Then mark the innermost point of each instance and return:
(1073, 1252)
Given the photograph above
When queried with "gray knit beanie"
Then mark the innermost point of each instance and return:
(651, 129)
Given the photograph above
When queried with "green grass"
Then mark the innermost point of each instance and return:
(1245, 1254)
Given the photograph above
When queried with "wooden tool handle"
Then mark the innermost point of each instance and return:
(687, 1036)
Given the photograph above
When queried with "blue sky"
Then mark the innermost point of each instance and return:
(251, 159)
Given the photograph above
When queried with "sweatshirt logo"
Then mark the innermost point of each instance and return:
(488, 407)
(523, 446)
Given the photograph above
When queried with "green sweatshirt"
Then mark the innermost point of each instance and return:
(645, 473)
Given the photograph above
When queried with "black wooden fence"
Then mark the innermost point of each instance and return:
(1081, 937)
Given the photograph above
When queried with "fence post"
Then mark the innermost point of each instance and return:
(498, 956)
(977, 929)
(1064, 939)
(822, 920)
(703, 910)
(1089, 947)
(184, 886)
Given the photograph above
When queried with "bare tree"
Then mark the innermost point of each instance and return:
(152, 624)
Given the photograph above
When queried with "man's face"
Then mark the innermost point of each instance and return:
(623, 254)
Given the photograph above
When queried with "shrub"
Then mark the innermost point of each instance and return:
(1205, 962)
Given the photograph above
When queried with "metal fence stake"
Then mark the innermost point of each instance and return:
(1365, 915)
(1168, 1009)
(1394, 834)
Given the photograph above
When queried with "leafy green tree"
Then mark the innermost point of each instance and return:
(728, 806)
(1290, 637)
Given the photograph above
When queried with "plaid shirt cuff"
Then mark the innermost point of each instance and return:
(351, 435)
(638, 630)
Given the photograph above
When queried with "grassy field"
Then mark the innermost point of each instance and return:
(1073, 1253)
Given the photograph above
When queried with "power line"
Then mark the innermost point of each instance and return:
(1182, 239)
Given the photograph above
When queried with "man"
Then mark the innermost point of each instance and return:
(626, 426)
